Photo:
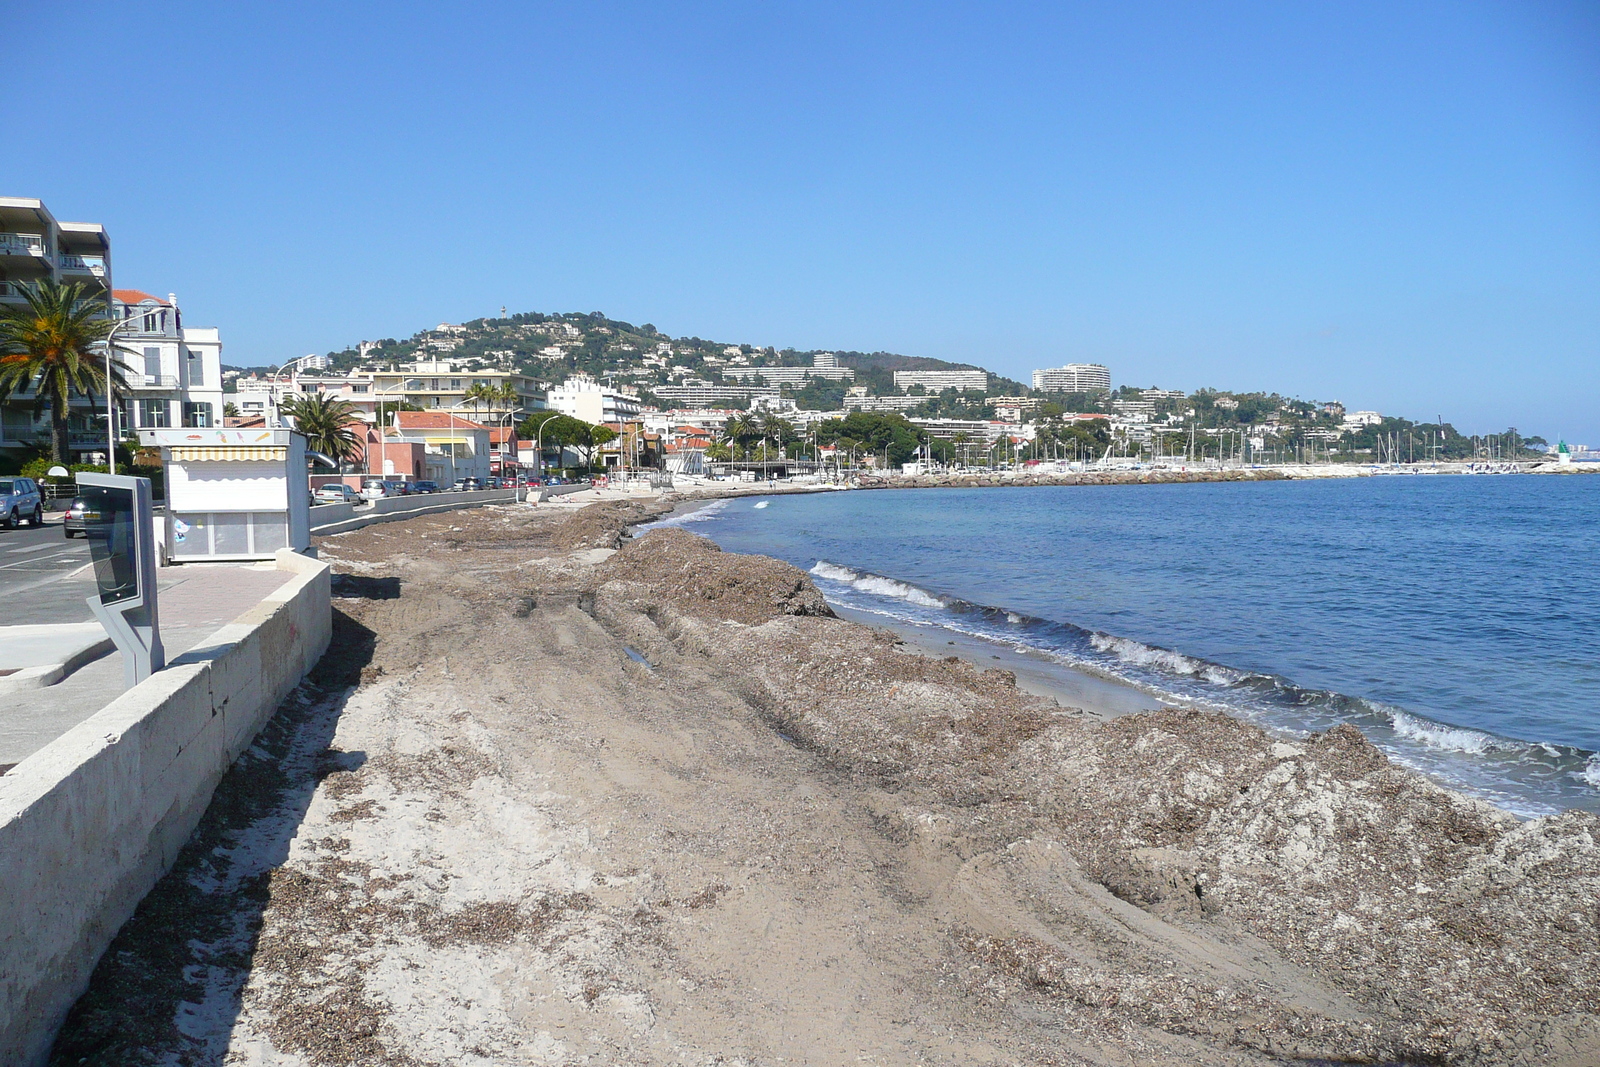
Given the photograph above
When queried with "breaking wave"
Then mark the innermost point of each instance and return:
(878, 585)
(1444, 737)
(701, 514)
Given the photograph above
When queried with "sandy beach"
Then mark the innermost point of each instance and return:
(561, 795)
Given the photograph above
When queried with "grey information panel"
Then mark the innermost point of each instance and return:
(118, 521)
(110, 525)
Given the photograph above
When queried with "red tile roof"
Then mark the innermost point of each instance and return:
(435, 420)
(136, 296)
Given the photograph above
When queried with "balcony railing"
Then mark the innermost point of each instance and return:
(22, 244)
(153, 381)
(95, 265)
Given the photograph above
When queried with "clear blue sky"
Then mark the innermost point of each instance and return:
(1392, 204)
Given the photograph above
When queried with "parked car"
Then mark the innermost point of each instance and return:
(20, 499)
(464, 485)
(72, 525)
(335, 493)
(425, 487)
(378, 488)
(493, 483)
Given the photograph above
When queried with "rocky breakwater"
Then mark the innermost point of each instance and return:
(1094, 477)
(1173, 887)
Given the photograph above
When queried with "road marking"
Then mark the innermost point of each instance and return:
(32, 548)
(35, 559)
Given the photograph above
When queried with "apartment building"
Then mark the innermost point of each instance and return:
(862, 402)
(825, 366)
(584, 398)
(1073, 378)
(173, 371)
(254, 395)
(697, 393)
(443, 385)
(981, 433)
(937, 381)
(35, 247)
(453, 447)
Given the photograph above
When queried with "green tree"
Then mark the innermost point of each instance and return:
(327, 424)
(230, 410)
(48, 343)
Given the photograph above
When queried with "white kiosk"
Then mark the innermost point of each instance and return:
(233, 494)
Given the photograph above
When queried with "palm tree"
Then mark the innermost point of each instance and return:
(961, 437)
(480, 395)
(48, 343)
(325, 422)
(738, 429)
(230, 410)
(775, 429)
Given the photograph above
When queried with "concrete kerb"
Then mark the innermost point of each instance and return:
(75, 644)
(90, 822)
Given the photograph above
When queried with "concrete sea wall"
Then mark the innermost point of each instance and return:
(341, 518)
(89, 823)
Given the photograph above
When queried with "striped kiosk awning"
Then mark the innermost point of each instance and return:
(229, 453)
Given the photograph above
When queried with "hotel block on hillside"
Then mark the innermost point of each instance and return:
(937, 381)
(1073, 378)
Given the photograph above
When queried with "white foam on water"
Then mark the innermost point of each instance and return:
(710, 511)
(761, 505)
(1139, 654)
(877, 584)
(1590, 774)
(1438, 735)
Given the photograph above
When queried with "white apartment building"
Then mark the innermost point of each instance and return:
(1073, 378)
(584, 398)
(822, 366)
(980, 432)
(255, 395)
(1356, 421)
(937, 381)
(173, 371)
(697, 393)
(863, 402)
(443, 385)
(34, 246)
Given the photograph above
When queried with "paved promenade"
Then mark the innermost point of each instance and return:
(195, 600)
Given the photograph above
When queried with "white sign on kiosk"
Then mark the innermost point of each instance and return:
(117, 521)
(234, 493)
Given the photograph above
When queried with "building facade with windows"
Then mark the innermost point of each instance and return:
(584, 398)
(36, 247)
(443, 386)
(937, 381)
(173, 372)
(1073, 378)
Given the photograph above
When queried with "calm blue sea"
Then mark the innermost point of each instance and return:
(1455, 620)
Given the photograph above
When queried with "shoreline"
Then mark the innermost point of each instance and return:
(1499, 774)
(558, 794)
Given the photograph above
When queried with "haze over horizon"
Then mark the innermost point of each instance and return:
(1396, 205)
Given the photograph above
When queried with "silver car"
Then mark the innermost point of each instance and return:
(20, 500)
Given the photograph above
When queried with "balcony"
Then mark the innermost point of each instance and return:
(84, 267)
(153, 381)
(23, 244)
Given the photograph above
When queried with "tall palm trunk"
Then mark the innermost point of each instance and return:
(60, 432)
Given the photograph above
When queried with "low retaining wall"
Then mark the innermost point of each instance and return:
(339, 518)
(90, 822)
(550, 492)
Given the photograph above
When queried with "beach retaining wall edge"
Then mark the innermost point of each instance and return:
(90, 822)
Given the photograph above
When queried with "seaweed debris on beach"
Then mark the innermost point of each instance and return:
(567, 796)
